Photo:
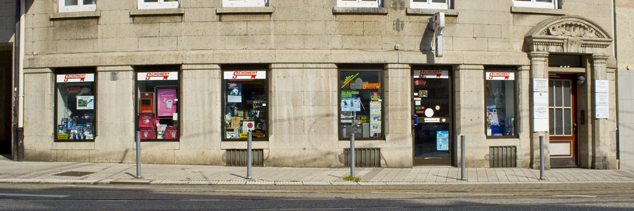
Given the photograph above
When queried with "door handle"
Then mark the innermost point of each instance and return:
(415, 116)
(574, 127)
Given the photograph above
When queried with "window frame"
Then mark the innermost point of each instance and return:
(516, 90)
(382, 79)
(179, 105)
(224, 106)
(535, 4)
(429, 5)
(359, 3)
(96, 99)
(161, 4)
(245, 3)
(80, 7)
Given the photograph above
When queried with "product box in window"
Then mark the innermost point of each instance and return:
(147, 133)
(146, 120)
(171, 133)
(146, 102)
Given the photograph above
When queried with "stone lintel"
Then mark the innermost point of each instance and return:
(37, 70)
(200, 67)
(302, 66)
(397, 66)
(114, 68)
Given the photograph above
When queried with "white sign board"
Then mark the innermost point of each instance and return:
(540, 105)
(602, 86)
(540, 85)
(602, 99)
(500, 76)
(244, 75)
(70, 78)
(157, 76)
(602, 112)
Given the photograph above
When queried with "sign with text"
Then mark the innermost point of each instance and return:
(244, 75)
(70, 78)
(431, 74)
(157, 76)
(496, 76)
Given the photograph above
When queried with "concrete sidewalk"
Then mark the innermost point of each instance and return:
(112, 173)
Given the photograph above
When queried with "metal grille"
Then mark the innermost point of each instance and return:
(503, 156)
(364, 157)
(238, 157)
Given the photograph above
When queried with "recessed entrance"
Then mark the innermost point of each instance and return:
(563, 127)
(432, 117)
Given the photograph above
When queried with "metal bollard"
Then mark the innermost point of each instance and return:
(138, 154)
(249, 156)
(352, 155)
(462, 159)
(542, 175)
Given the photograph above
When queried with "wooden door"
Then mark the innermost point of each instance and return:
(563, 128)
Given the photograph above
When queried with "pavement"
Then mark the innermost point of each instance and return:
(125, 173)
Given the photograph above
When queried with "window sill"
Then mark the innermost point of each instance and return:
(75, 15)
(152, 12)
(245, 10)
(359, 10)
(430, 12)
(537, 11)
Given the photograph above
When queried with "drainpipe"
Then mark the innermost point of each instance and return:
(616, 86)
(18, 59)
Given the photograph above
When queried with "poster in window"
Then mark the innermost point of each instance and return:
(234, 92)
(85, 102)
(166, 100)
(350, 104)
(375, 107)
(442, 140)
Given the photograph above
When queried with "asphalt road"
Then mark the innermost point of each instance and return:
(574, 196)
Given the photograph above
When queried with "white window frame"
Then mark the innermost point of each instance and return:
(428, 5)
(359, 3)
(80, 7)
(535, 4)
(161, 4)
(245, 3)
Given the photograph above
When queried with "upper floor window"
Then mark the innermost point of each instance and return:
(245, 3)
(545, 4)
(359, 3)
(429, 4)
(77, 5)
(158, 4)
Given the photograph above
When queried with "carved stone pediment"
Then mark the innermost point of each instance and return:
(572, 29)
(568, 34)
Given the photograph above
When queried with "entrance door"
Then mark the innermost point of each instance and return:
(432, 117)
(563, 128)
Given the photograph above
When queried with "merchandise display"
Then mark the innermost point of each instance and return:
(500, 103)
(158, 105)
(245, 104)
(360, 105)
(75, 107)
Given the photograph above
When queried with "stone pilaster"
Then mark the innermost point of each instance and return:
(469, 114)
(603, 143)
(539, 65)
(397, 115)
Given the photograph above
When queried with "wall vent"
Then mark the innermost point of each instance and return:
(370, 157)
(238, 157)
(502, 156)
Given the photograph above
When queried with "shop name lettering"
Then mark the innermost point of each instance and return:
(438, 73)
(165, 76)
(81, 77)
(253, 74)
(371, 85)
(349, 79)
(499, 75)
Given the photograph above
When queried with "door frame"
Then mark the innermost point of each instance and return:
(571, 160)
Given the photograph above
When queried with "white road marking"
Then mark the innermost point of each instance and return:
(34, 195)
(583, 196)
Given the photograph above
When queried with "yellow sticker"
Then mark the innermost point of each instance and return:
(243, 135)
(62, 136)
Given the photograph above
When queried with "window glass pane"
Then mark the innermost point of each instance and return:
(551, 114)
(558, 93)
(75, 107)
(361, 104)
(567, 121)
(500, 104)
(544, 1)
(425, 1)
(245, 104)
(439, 1)
(566, 94)
(559, 129)
(71, 2)
(158, 105)
(151, 1)
(551, 93)
(86, 2)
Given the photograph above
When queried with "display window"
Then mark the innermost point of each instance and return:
(158, 105)
(245, 94)
(500, 101)
(75, 102)
(360, 104)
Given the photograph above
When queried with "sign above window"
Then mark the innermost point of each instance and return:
(497, 76)
(431, 74)
(157, 76)
(244, 75)
(70, 78)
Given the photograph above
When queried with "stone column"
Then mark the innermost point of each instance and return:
(114, 140)
(397, 115)
(469, 114)
(603, 144)
(201, 115)
(39, 110)
(539, 65)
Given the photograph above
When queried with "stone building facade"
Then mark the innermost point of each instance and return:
(624, 10)
(306, 73)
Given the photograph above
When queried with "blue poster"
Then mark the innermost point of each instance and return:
(350, 104)
(442, 140)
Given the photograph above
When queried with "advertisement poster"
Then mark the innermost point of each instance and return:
(375, 107)
(166, 99)
(85, 102)
(442, 140)
(234, 92)
(350, 104)
(147, 133)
